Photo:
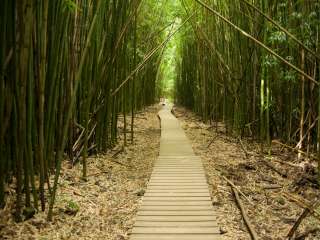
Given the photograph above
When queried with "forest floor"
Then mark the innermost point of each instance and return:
(273, 203)
(105, 205)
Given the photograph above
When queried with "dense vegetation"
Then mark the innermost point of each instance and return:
(255, 66)
(69, 69)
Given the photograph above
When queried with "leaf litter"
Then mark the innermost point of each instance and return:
(269, 201)
(104, 206)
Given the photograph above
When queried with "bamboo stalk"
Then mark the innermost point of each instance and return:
(244, 33)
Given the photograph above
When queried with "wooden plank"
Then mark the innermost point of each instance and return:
(178, 174)
(178, 181)
(177, 194)
(182, 199)
(176, 213)
(176, 218)
(179, 157)
(175, 190)
(166, 167)
(168, 175)
(193, 185)
(179, 160)
(176, 187)
(178, 163)
(181, 177)
(185, 159)
(176, 224)
(178, 170)
(195, 167)
(172, 167)
(178, 178)
(176, 203)
(175, 208)
(175, 237)
(178, 167)
(173, 230)
(167, 164)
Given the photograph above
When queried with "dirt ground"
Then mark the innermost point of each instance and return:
(104, 206)
(272, 202)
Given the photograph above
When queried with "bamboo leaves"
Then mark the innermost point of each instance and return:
(242, 76)
(56, 84)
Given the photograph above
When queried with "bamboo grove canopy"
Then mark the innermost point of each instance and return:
(71, 68)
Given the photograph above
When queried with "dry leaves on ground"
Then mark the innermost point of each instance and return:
(104, 206)
(269, 206)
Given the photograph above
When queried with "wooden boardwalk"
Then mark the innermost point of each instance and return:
(177, 203)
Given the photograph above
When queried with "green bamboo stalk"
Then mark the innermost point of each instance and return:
(69, 112)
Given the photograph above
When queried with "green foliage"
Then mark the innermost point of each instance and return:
(224, 77)
(71, 6)
(71, 208)
(289, 76)
(277, 37)
(270, 61)
(57, 98)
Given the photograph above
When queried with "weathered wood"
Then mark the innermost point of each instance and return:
(182, 199)
(192, 230)
(177, 203)
(174, 237)
(177, 194)
(175, 208)
(177, 187)
(176, 213)
(176, 177)
(251, 230)
(176, 224)
(192, 190)
(176, 218)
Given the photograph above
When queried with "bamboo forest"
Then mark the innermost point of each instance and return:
(160, 119)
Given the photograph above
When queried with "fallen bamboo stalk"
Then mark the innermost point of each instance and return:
(243, 148)
(304, 214)
(284, 175)
(302, 204)
(287, 163)
(212, 140)
(235, 187)
(294, 149)
(245, 217)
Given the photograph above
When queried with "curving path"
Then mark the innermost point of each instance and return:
(177, 203)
